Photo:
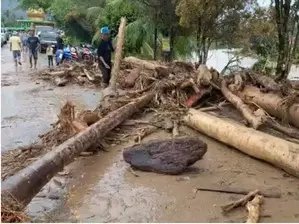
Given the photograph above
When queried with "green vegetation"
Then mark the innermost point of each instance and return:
(192, 26)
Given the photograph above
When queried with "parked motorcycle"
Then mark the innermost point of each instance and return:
(63, 56)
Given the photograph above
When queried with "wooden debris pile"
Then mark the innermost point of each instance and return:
(83, 73)
(164, 93)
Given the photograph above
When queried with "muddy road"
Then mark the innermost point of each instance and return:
(100, 188)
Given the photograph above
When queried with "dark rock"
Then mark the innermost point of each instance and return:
(166, 156)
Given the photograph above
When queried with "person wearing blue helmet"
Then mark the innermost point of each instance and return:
(104, 54)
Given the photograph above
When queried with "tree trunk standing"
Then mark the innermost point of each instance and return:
(282, 9)
(25, 184)
(198, 41)
(118, 53)
(171, 43)
(156, 34)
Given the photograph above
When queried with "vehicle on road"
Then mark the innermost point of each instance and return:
(40, 29)
(47, 37)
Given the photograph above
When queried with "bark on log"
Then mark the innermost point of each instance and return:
(266, 82)
(131, 77)
(118, 53)
(270, 102)
(161, 71)
(253, 208)
(276, 151)
(289, 131)
(248, 114)
(24, 185)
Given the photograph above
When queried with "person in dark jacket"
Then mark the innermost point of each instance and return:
(59, 40)
(104, 54)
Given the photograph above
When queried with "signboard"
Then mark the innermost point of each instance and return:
(165, 45)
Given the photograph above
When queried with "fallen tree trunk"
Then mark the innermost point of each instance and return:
(276, 151)
(247, 112)
(25, 184)
(118, 53)
(161, 71)
(272, 103)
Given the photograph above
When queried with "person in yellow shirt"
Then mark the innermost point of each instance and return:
(15, 47)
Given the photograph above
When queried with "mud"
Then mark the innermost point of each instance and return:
(101, 188)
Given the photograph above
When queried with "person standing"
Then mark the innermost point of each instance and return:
(24, 38)
(104, 54)
(59, 41)
(15, 47)
(33, 44)
(49, 53)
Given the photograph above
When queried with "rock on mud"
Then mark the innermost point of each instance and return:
(166, 156)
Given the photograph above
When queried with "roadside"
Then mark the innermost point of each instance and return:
(100, 188)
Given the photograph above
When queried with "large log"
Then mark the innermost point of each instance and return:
(25, 184)
(247, 112)
(276, 151)
(161, 71)
(270, 102)
(118, 53)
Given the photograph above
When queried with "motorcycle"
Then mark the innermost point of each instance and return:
(87, 54)
(74, 53)
(63, 56)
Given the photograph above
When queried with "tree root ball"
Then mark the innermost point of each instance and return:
(166, 156)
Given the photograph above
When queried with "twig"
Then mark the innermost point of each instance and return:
(175, 129)
(253, 208)
(133, 172)
(240, 202)
(240, 191)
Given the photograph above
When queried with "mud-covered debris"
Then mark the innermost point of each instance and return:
(166, 156)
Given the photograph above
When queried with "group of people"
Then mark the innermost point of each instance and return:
(24, 42)
(29, 42)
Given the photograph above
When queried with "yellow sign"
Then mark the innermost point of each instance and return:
(165, 45)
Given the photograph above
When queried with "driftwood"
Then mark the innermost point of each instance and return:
(25, 184)
(240, 202)
(266, 193)
(118, 53)
(175, 130)
(60, 81)
(253, 208)
(90, 78)
(272, 103)
(161, 71)
(291, 132)
(131, 77)
(247, 112)
(276, 151)
(266, 82)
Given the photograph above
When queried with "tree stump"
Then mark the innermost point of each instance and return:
(166, 156)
